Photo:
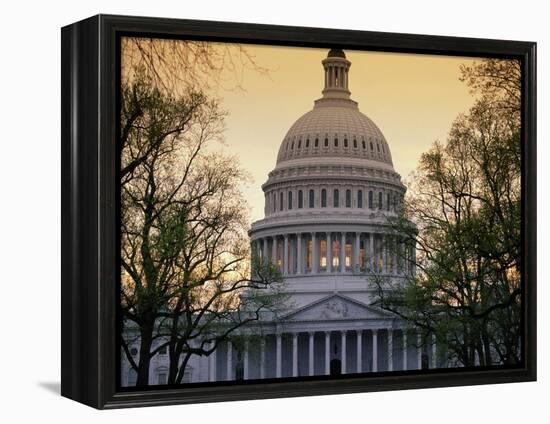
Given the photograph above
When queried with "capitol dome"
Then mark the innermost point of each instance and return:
(329, 196)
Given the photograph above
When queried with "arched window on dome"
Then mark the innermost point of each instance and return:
(364, 145)
(326, 142)
(360, 199)
(299, 143)
(348, 198)
(281, 201)
(287, 144)
(292, 145)
(307, 143)
(316, 142)
(336, 142)
(323, 198)
(300, 199)
(289, 200)
(274, 202)
(371, 146)
(388, 203)
(395, 203)
(311, 198)
(336, 198)
(345, 142)
(355, 143)
(371, 200)
(383, 150)
(380, 206)
(378, 147)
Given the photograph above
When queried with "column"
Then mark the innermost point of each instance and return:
(419, 350)
(213, 364)
(387, 254)
(279, 365)
(390, 349)
(229, 361)
(344, 352)
(274, 251)
(311, 353)
(359, 350)
(295, 355)
(285, 255)
(327, 352)
(329, 252)
(299, 253)
(314, 254)
(371, 252)
(356, 251)
(405, 349)
(343, 253)
(264, 253)
(262, 358)
(375, 350)
(434, 352)
(245, 361)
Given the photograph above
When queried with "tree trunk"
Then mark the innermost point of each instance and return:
(146, 340)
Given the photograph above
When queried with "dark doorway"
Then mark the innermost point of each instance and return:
(335, 367)
(425, 363)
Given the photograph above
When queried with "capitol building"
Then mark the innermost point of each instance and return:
(327, 204)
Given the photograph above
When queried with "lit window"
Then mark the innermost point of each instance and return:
(335, 253)
(323, 253)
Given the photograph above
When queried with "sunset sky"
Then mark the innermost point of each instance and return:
(412, 98)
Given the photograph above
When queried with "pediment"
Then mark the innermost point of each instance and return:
(335, 307)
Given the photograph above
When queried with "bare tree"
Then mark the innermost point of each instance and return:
(187, 278)
(464, 200)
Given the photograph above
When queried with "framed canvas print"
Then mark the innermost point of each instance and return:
(254, 211)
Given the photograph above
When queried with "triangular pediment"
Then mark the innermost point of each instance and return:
(335, 307)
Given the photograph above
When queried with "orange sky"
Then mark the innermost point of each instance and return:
(412, 98)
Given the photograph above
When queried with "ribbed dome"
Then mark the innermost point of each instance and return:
(335, 127)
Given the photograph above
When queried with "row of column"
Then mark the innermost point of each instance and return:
(311, 351)
(305, 255)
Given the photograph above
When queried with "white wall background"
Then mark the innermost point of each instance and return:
(30, 211)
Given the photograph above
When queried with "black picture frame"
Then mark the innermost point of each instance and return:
(90, 76)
